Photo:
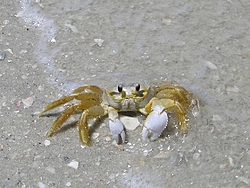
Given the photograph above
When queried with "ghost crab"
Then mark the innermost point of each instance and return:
(153, 102)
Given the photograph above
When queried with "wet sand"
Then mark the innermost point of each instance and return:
(53, 47)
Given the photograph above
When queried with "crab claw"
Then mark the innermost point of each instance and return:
(116, 126)
(155, 123)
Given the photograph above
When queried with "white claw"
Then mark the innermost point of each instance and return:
(155, 123)
(116, 127)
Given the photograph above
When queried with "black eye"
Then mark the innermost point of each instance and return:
(137, 87)
(120, 88)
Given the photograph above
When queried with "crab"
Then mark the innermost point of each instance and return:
(154, 102)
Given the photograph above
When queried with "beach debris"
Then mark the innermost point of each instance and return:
(2, 56)
(73, 164)
(28, 101)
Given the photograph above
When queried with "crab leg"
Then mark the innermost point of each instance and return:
(176, 93)
(57, 103)
(116, 126)
(180, 111)
(92, 112)
(90, 87)
(84, 97)
(61, 119)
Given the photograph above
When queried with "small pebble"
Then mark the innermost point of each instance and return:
(19, 14)
(17, 103)
(95, 135)
(24, 77)
(68, 184)
(66, 159)
(167, 21)
(72, 27)
(6, 22)
(51, 170)
(196, 156)
(145, 152)
(231, 162)
(210, 65)
(83, 146)
(107, 138)
(28, 101)
(234, 89)
(23, 52)
(73, 164)
(112, 177)
(10, 50)
(2, 56)
(53, 40)
(41, 185)
(98, 42)
(46, 142)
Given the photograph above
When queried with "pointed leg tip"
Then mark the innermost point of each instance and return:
(145, 134)
(85, 140)
(183, 128)
(116, 138)
(41, 113)
(49, 134)
(87, 143)
(154, 137)
(123, 137)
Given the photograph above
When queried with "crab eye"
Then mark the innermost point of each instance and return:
(119, 88)
(137, 87)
